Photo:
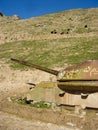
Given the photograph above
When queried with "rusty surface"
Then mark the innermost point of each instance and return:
(78, 87)
(81, 78)
(51, 71)
(87, 70)
(75, 80)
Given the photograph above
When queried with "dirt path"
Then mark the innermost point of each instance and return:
(12, 122)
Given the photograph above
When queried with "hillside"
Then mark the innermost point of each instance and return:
(51, 40)
(55, 41)
(68, 22)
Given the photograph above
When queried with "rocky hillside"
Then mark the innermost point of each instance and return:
(51, 26)
(55, 41)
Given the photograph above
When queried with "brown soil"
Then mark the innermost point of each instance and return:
(19, 117)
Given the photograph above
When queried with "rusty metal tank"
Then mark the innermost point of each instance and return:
(81, 78)
(78, 79)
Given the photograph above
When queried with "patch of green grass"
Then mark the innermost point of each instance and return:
(85, 50)
(83, 30)
(50, 53)
(40, 104)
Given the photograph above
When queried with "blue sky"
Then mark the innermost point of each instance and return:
(32, 8)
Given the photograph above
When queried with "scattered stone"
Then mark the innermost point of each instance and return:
(70, 124)
(96, 114)
(19, 99)
(68, 29)
(31, 88)
(85, 26)
(70, 19)
(48, 104)
(54, 32)
(62, 33)
(28, 100)
(15, 17)
(9, 99)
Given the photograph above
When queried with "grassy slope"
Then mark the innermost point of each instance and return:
(74, 20)
(51, 52)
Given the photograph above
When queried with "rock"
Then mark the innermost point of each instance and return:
(1, 14)
(15, 17)
(9, 99)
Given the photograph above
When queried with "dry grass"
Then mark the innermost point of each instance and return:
(72, 22)
(31, 39)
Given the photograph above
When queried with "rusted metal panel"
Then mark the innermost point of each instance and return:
(52, 95)
(79, 86)
(87, 70)
(91, 101)
(81, 78)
